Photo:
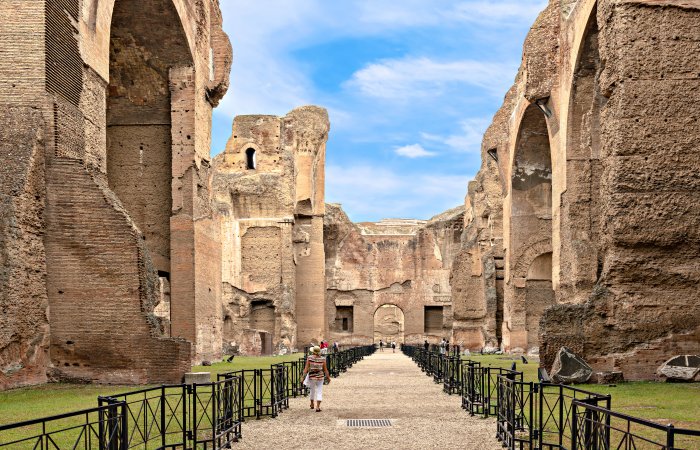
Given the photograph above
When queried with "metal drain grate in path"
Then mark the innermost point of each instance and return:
(368, 423)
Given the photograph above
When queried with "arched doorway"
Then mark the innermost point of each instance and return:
(389, 324)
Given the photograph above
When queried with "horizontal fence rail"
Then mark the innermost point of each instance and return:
(206, 416)
(545, 416)
(103, 428)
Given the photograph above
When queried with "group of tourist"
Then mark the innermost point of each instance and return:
(382, 345)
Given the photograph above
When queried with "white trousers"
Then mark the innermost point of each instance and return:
(316, 390)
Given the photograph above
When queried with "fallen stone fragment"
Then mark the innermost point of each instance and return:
(612, 377)
(681, 368)
(569, 368)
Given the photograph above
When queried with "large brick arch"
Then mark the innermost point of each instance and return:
(527, 255)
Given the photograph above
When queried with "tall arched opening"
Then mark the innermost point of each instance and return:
(389, 324)
(149, 52)
(580, 258)
(530, 285)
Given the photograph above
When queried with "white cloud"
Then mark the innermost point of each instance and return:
(401, 79)
(413, 151)
(468, 141)
(370, 193)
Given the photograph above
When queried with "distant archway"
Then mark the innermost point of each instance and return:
(389, 324)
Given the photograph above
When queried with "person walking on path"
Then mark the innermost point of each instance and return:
(324, 347)
(335, 347)
(393, 346)
(426, 346)
(317, 370)
(381, 345)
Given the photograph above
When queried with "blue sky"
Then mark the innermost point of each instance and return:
(410, 86)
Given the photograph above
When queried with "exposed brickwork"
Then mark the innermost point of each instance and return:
(64, 59)
(93, 252)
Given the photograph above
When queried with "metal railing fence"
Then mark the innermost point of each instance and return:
(101, 428)
(205, 416)
(545, 416)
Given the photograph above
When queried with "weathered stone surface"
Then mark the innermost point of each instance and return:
(569, 368)
(594, 151)
(681, 368)
(269, 204)
(104, 196)
(390, 280)
(197, 377)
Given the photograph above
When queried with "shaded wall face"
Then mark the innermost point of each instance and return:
(580, 260)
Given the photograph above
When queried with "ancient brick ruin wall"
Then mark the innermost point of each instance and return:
(403, 264)
(59, 68)
(268, 185)
(24, 331)
(614, 83)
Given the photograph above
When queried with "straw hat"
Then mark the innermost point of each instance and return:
(316, 350)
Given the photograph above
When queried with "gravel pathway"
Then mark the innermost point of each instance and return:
(383, 386)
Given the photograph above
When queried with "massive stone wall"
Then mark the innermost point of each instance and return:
(268, 199)
(595, 151)
(389, 280)
(106, 195)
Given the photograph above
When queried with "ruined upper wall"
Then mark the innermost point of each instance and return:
(405, 263)
(266, 187)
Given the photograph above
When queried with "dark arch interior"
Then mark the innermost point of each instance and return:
(146, 42)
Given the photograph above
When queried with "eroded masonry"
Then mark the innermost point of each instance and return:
(127, 254)
(106, 120)
(583, 223)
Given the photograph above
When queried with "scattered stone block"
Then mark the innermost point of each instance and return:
(206, 363)
(569, 368)
(197, 377)
(610, 377)
(685, 368)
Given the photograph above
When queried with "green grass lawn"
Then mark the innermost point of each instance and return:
(246, 362)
